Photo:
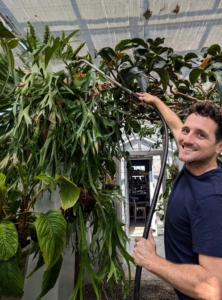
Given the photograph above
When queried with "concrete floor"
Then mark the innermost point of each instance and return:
(136, 229)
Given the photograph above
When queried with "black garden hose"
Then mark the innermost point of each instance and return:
(157, 189)
(153, 204)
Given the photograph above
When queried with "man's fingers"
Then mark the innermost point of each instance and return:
(137, 238)
(150, 235)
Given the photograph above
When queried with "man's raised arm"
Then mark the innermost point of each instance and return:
(173, 121)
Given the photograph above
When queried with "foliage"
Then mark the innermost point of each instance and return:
(57, 118)
(177, 80)
(156, 69)
(66, 119)
(19, 224)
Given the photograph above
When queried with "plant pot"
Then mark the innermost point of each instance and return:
(23, 268)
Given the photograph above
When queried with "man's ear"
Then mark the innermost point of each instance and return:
(219, 147)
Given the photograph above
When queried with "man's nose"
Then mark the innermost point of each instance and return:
(188, 138)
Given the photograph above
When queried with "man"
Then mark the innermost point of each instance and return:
(193, 223)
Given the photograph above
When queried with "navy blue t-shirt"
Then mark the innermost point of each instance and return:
(193, 223)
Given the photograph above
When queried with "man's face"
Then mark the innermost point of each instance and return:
(197, 142)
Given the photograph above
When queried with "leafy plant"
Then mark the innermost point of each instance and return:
(20, 225)
(59, 119)
(66, 119)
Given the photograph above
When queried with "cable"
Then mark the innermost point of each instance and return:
(159, 181)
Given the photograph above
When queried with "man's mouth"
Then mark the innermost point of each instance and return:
(188, 149)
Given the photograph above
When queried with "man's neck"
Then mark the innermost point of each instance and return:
(197, 168)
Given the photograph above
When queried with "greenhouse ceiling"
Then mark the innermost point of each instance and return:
(186, 25)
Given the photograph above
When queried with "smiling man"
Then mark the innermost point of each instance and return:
(193, 223)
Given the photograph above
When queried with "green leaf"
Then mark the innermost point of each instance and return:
(122, 45)
(164, 77)
(214, 49)
(218, 77)
(107, 54)
(132, 72)
(158, 41)
(3, 192)
(44, 177)
(51, 229)
(15, 199)
(135, 125)
(194, 75)
(22, 172)
(9, 55)
(139, 42)
(69, 192)
(13, 44)
(39, 264)
(50, 277)
(8, 240)
(11, 279)
(143, 82)
(130, 43)
(50, 51)
(190, 56)
(2, 179)
(66, 39)
(4, 32)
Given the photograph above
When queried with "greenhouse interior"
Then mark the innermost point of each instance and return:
(95, 100)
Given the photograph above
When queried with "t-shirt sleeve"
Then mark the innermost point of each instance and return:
(206, 226)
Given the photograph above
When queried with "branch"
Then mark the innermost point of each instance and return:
(199, 86)
(39, 192)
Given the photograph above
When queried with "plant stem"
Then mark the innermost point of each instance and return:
(33, 199)
(1, 209)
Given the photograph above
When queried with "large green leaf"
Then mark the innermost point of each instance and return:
(51, 229)
(11, 280)
(164, 77)
(69, 192)
(8, 240)
(50, 277)
(194, 75)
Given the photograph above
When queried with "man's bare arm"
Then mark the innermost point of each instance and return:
(173, 121)
(203, 281)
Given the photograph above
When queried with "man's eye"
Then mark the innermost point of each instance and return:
(201, 135)
(185, 130)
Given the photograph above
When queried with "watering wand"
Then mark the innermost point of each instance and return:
(160, 178)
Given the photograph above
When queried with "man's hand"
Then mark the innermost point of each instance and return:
(144, 251)
(148, 98)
